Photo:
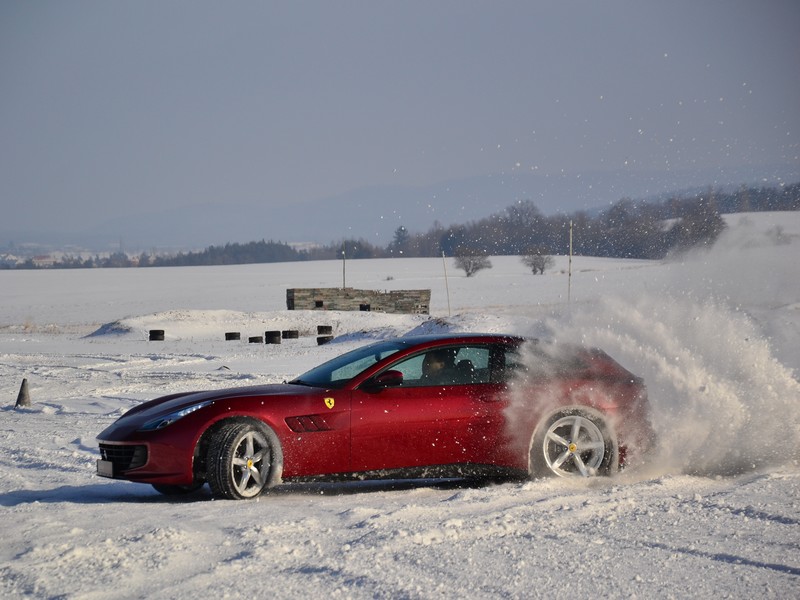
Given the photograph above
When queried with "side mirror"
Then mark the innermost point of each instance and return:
(386, 379)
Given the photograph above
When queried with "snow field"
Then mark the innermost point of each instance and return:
(714, 514)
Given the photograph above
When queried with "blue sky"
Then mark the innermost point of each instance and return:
(117, 108)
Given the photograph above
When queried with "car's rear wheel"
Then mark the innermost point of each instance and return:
(243, 459)
(573, 443)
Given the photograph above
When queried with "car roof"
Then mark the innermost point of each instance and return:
(460, 337)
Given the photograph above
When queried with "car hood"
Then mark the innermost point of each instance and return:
(165, 405)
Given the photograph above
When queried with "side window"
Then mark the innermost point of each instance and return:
(472, 364)
(411, 368)
(457, 365)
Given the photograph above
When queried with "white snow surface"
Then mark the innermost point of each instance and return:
(714, 513)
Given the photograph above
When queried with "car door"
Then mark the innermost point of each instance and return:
(316, 438)
(424, 423)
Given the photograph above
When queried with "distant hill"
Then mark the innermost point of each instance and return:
(374, 213)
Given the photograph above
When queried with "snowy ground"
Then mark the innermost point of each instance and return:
(716, 514)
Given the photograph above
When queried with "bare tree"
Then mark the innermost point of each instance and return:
(471, 261)
(537, 260)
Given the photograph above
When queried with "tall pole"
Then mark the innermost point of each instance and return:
(569, 270)
(446, 284)
(344, 261)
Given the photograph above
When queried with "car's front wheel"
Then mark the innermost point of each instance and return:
(573, 443)
(243, 459)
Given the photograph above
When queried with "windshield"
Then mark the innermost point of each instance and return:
(338, 371)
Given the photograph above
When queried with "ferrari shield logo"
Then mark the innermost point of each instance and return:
(329, 402)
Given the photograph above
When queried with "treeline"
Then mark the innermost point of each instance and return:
(229, 254)
(627, 229)
(262, 252)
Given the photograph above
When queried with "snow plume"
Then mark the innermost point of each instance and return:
(721, 403)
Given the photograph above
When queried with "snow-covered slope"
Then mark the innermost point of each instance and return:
(716, 335)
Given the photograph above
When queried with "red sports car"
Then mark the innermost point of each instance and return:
(460, 405)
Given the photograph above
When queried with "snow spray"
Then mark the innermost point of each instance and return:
(721, 402)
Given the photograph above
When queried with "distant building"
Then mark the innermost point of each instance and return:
(397, 301)
(44, 260)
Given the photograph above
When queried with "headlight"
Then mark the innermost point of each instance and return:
(163, 421)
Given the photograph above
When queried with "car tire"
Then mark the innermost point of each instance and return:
(244, 458)
(573, 443)
(176, 490)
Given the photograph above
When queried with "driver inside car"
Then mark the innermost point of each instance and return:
(439, 367)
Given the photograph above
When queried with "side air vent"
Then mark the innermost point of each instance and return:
(307, 423)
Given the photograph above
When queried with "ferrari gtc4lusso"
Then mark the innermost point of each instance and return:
(457, 405)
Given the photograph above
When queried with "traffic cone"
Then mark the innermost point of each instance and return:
(23, 398)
